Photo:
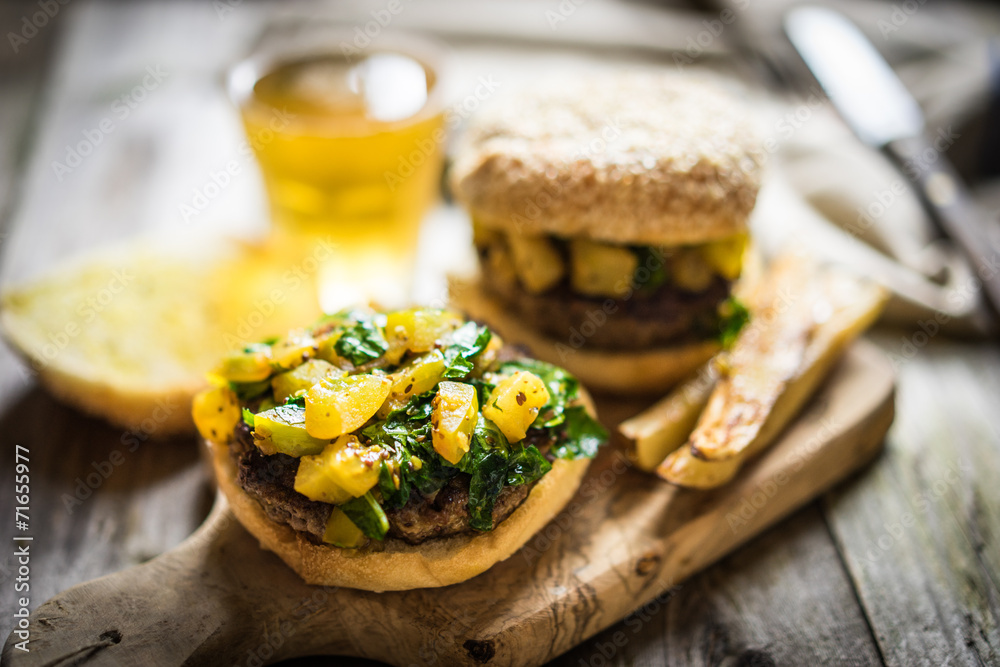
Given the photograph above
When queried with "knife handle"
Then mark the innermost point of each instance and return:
(949, 203)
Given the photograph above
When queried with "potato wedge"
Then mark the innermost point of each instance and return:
(775, 366)
(665, 426)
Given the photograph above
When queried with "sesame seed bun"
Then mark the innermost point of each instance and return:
(631, 158)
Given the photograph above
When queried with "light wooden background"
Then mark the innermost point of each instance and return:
(899, 566)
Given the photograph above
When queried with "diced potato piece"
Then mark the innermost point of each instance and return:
(689, 270)
(216, 412)
(515, 402)
(341, 531)
(283, 429)
(600, 269)
(293, 349)
(327, 350)
(417, 329)
(482, 235)
(456, 411)
(345, 469)
(335, 406)
(499, 265)
(418, 377)
(725, 257)
(537, 261)
(252, 364)
(489, 355)
(301, 378)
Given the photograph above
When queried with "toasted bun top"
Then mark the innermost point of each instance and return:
(626, 157)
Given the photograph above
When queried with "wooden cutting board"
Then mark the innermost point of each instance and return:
(625, 540)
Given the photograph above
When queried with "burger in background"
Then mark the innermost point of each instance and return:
(610, 219)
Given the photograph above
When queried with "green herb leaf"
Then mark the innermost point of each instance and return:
(367, 515)
(457, 368)
(583, 435)
(246, 391)
(733, 316)
(362, 341)
(466, 343)
(407, 433)
(247, 417)
(486, 463)
(525, 465)
(651, 260)
(296, 399)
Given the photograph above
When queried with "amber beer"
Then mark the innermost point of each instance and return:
(356, 157)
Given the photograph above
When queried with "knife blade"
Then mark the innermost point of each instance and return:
(883, 114)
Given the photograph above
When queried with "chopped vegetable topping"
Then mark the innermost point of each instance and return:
(380, 407)
(361, 342)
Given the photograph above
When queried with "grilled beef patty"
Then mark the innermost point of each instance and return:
(270, 480)
(668, 315)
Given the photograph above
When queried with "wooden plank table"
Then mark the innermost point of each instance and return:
(899, 566)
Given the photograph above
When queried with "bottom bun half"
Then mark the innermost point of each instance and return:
(626, 372)
(401, 566)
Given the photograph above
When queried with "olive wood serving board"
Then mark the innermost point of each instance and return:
(625, 539)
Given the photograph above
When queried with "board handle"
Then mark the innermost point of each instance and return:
(174, 609)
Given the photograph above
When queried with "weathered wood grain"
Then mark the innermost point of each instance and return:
(782, 599)
(624, 540)
(919, 534)
(916, 600)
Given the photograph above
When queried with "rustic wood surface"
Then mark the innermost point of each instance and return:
(626, 541)
(898, 566)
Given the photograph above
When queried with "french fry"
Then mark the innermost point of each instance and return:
(665, 426)
(805, 318)
(765, 357)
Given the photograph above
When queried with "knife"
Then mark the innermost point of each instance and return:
(877, 107)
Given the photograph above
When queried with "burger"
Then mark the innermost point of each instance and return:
(390, 451)
(610, 220)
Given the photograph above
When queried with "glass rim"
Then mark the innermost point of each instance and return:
(242, 77)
